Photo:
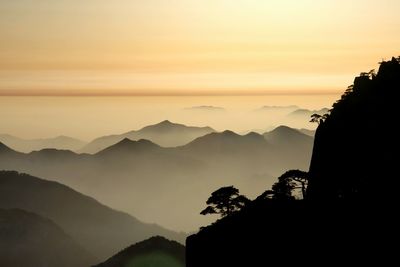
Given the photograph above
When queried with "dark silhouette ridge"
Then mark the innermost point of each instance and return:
(355, 147)
(172, 254)
(349, 214)
(97, 228)
(27, 239)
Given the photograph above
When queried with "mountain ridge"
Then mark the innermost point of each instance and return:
(28, 239)
(164, 133)
(97, 228)
(61, 142)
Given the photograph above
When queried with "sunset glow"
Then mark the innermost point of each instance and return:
(159, 47)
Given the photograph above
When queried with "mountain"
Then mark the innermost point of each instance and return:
(140, 176)
(156, 251)
(165, 134)
(226, 142)
(96, 228)
(206, 108)
(127, 145)
(284, 136)
(25, 145)
(286, 109)
(351, 202)
(27, 239)
(356, 148)
(291, 142)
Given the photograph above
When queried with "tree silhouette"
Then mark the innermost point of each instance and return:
(289, 181)
(318, 118)
(225, 201)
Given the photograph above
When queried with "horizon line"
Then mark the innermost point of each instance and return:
(160, 93)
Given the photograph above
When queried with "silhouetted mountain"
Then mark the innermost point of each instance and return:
(156, 251)
(285, 233)
(165, 134)
(97, 228)
(129, 174)
(27, 239)
(356, 147)
(349, 215)
(24, 145)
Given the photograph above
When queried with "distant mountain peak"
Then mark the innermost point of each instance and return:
(206, 108)
(163, 125)
(166, 122)
(170, 250)
(126, 140)
(229, 133)
(253, 135)
(165, 133)
(285, 134)
(284, 128)
(167, 125)
(127, 144)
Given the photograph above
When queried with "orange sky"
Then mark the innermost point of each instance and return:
(163, 47)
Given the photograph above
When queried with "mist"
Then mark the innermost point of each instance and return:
(87, 118)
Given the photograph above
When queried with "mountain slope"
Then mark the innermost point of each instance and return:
(156, 251)
(25, 145)
(97, 228)
(165, 134)
(27, 239)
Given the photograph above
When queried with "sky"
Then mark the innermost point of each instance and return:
(192, 47)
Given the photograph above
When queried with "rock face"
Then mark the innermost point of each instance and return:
(356, 146)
